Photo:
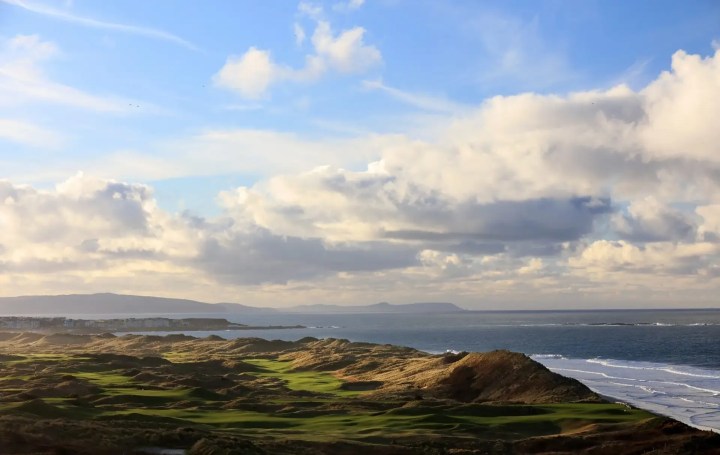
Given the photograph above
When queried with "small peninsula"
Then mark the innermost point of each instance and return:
(68, 325)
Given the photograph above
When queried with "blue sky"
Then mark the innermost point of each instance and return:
(222, 111)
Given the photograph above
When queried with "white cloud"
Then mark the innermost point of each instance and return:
(311, 10)
(603, 258)
(534, 265)
(683, 108)
(526, 176)
(299, 33)
(418, 100)
(106, 231)
(648, 220)
(94, 23)
(23, 79)
(520, 197)
(29, 134)
(346, 52)
(252, 74)
(348, 6)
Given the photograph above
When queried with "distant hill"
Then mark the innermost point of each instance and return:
(383, 307)
(102, 304)
(134, 304)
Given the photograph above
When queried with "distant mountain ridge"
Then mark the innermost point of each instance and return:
(382, 307)
(102, 304)
(108, 303)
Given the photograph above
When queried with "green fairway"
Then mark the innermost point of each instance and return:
(105, 378)
(540, 420)
(310, 381)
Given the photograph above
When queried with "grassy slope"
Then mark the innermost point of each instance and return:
(509, 422)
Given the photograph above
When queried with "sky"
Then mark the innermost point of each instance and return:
(495, 154)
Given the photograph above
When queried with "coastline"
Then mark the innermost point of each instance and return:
(277, 395)
(65, 325)
(231, 330)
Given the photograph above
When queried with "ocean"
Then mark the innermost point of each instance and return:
(665, 361)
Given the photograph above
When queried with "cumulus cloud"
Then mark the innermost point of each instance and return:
(249, 74)
(681, 109)
(343, 205)
(522, 195)
(346, 52)
(528, 176)
(647, 220)
(254, 72)
(659, 259)
(110, 229)
(257, 256)
(77, 210)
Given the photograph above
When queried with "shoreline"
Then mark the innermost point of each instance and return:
(276, 394)
(637, 403)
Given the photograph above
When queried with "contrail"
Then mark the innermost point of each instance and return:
(94, 23)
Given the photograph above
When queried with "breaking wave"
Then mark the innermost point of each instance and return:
(688, 394)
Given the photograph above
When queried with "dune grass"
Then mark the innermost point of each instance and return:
(130, 399)
(179, 357)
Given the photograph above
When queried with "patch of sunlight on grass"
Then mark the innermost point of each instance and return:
(179, 357)
(105, 379)
(310, 381)
(178, 394)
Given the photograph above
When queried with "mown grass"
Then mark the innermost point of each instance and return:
(545, 420)
(309, 381)
(110, 379)
(173, 394)
(116, 384)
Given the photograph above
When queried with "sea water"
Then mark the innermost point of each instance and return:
(667, 362)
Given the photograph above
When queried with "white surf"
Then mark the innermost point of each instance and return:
(688, 394)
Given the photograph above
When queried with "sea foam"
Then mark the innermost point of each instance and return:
(688, 394)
